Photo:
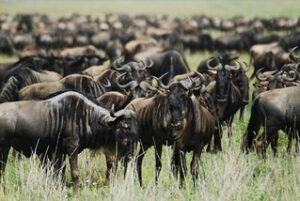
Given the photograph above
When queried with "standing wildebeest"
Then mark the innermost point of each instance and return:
(162, 59)
(64, 125)
(277, 109)
(22, 78)
(174, 116)
(228, 97)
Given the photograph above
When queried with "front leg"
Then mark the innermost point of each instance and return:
(195, 163)
(111, 166)
(73, 159)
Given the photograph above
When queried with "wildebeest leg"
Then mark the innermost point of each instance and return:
(110, 167)
(218, 139)
(139, 163)
(179, 165)
(274, 142)
(158, 150)
(59, 167)
(73, 159)
(4, 150)
(195, 164)
(183, 168)
(229, 127)
(268, 136)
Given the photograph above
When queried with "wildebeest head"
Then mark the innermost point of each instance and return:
(177, 94)
(223, 79)
(135, 79)
(125, 131)
(278, 79)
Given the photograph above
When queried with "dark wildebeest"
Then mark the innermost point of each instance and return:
(276, 109)
(6, 45)
(64, 125)
(275, 79)
(22, 78)
(228, 98)
(162, 59)
(173, 116)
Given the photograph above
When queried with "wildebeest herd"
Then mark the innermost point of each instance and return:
(62, 96)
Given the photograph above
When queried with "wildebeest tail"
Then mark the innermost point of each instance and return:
(253, 126)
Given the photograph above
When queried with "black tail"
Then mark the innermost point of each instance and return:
(253, 126)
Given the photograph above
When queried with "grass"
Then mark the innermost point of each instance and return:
(222, 8)
(230, 175)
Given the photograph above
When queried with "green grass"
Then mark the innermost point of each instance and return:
(230, 175)
(224, 8)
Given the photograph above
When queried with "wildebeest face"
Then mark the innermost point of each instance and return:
(177, 98)
(223, 79)
(126, 135)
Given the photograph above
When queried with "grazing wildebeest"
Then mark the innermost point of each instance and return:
(64, 125)
(173, 116)
(276, 109)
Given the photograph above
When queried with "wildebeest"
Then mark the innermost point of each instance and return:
(276, 109)
(6, 44)
(80, 83)
(174, 116)
(230, 94)
(163, 60)
(22, 78)
(64, 125)
(273, 80)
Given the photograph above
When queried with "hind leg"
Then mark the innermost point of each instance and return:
(4, 150)
(270, 135)
(274, 142)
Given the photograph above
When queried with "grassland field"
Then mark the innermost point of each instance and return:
(227, 176)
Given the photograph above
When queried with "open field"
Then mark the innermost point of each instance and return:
(221, 8)
(227, 176)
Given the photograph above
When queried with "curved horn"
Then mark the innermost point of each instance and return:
(258, 77)
(219, 66)
(160, 83)
(293, 56)
(290, 79)
(125, 67)
(234, 68)
(202, 80)
(145, 85)
(150, 64)
(123, 86)
(118, 62)
(107, 84)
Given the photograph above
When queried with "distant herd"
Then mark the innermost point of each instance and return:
(122, 84)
